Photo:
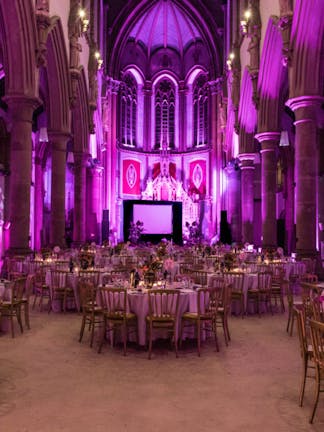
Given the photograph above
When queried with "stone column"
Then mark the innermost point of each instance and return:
(94, 206)
(79, 214)
(114, 159)
(233, 200)
(247, 195)
(57, 226)
(21, 110)
(111, 149)
(306, 171)
(269, 142)
(39, 200)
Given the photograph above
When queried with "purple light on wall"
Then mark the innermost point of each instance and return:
(247, 110)
(271, 65)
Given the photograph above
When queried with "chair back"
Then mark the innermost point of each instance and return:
(317, 335)
(236, 279)
(310, 264)
(115, 302)
(163, 303)
(199, 277)
(303, 343)
(208, 300)
(58, 279)
(278, 273)
(87, 293)
(309, 278)
(264, 281)
(91, 276)
(61, 265)
(29, 286)
(317, 308)
(18, 289)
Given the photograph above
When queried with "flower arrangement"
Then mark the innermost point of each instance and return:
(135, 231)
(119, 247)
(162, 249)
(86, 260)
(194, 232)
(229, 261)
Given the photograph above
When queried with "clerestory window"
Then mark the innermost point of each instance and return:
(200, 112)
(128, 106)
(165, 115)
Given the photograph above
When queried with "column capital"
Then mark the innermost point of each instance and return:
(246, 160)
(305, 107)
(97, 170)
(58, 140)
(21, 106)
(267, 136)
(58, 135)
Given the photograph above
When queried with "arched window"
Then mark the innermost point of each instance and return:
(128, 106)
(164, 114)
(200, 112)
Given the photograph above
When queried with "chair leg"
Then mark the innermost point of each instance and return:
(82, 328)
(18, 313)
(198, 337)
(224, 330)
(150, 341)
(12, 326)
(175, 341)
(289, 318)
(302, 388)
(124, 331)
(92, 331)
(316, 396)
(214, 327)
(181, 332)
(34, 302)
(26, 312)
(292, 324)
(102, 336)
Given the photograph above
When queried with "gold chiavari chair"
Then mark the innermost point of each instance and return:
(12, 308)
(116, 315)
(317, 335)
(92, 313)
(306, 352)
(163, 314)
(205, 318)
(236, 280)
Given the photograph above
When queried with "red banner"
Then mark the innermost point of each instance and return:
(156, 170)
(131, 177)
(197, 170)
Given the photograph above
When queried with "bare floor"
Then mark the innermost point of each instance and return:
(51, 382)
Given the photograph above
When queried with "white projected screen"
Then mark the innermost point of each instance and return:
(157, 219)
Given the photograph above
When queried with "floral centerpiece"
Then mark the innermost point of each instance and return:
(86, 260)
(194, 233)
(135, 231)
(118, 248)
(162, 251)
(229, 261)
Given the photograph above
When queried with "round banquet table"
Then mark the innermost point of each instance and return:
(138, 303)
